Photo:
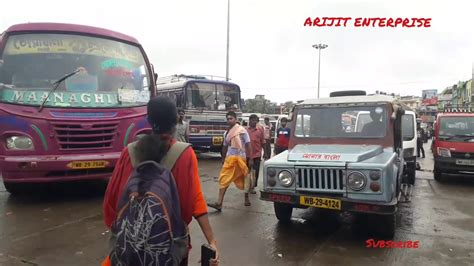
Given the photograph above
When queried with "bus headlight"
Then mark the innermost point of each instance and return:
(194, 129)
(19, 143)
(356, 181)
(286, 178)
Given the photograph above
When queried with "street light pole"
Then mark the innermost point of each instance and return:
(319, 47)
(227, 53)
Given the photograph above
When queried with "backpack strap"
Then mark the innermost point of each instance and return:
(173, 154)
(170, 158)
(133, 154)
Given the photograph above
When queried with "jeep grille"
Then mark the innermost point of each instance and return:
(320, 180)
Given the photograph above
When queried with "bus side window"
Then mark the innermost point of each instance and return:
(178, 97)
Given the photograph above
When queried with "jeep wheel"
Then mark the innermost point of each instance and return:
(384, 225)
(411, 173)
(437, 175)
(283, 211)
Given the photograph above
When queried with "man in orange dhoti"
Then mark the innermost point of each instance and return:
(234, 155)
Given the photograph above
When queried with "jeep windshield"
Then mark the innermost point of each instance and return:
(341, 122)
(113, 73)
(458, 128)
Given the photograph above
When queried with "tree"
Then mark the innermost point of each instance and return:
(259, 105)
(288, 105)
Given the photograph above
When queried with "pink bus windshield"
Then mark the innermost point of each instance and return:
(114, 73)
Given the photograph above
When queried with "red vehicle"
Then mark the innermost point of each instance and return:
(453, 144)
(71, 98)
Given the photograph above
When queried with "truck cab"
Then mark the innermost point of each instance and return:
(453, 143)
(340, 168)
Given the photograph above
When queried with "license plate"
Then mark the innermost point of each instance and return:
(87, 164)
(465, 162)
(217, 140)
(323, 203)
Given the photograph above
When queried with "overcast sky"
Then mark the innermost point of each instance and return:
(270, 50)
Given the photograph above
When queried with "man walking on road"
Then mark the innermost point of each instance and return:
(257, 140)
(267, 148)
(419, 141)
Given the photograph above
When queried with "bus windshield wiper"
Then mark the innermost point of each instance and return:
(56, 85)
(464, 135)
(444, 137)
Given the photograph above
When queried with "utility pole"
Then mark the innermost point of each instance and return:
(319, 47)
(227, 53)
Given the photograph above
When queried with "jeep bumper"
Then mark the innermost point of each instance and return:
(345, 204)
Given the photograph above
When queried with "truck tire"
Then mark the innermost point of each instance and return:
(283, 211)
(437, 175)
(411, 173)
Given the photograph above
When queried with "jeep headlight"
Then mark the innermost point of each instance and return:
(19, 143)
(442, 152)
(356, 181)
(286, 178)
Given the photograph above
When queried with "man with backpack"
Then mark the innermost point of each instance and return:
(177, 161)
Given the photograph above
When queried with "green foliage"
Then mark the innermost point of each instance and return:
(259, 105)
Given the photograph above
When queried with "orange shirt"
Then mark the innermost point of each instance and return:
(187, 180)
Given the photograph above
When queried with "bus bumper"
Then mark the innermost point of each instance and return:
(207, 143)
(55, 168)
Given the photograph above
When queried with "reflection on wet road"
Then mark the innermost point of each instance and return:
(62, 225)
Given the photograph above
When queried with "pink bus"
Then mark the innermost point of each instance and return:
(71, 98)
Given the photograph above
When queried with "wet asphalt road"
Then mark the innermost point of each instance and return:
(62, 225)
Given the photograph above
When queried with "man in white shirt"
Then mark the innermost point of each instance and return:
(182, 128)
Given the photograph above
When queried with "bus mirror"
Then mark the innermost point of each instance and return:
(156, 76)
